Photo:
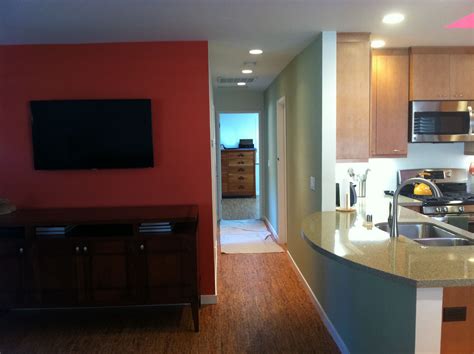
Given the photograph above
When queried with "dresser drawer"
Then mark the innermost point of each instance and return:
(238, 154)
(241, 170)
(241, 178)
(241, 162)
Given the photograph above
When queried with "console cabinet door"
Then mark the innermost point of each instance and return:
(164, 271)
(107, 268)
(59, 274)
(12, 266)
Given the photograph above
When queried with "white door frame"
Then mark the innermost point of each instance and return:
(282, 200)
(261, 146)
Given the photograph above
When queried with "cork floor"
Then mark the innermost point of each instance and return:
(263, 308)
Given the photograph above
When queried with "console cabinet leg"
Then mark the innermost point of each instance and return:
(195, 311)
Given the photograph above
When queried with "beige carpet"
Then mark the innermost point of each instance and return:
(246, 236)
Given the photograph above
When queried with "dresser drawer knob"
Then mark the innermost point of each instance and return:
(241, 155)
(241, 169)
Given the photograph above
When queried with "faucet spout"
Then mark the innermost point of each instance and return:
(435, 189)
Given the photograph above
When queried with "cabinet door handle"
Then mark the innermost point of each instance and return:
(77, 249)
(240, 162)
(142, 247)
(85, 249)
(396, 150)
(21, 250)
(241, 169)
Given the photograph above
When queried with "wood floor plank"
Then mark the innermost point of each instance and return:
(263, 308)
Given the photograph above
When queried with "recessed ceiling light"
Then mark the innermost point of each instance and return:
(241, 83)
(377, 43)
(255, 51)
(393, 18)
(247, 71)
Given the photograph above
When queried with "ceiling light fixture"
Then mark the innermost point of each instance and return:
(241, 83)
(377, 43)
(255, 51)
(393, 18)
(247, 71)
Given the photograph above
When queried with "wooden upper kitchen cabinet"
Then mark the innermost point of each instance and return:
(429, 76)
(390, 68)
(441, 73)
(353, 96)
(462, 76)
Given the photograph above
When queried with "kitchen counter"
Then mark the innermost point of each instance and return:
(344, 238)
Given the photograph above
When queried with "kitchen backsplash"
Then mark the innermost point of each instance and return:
(383, 172)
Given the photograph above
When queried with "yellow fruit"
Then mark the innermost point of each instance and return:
(422, 189)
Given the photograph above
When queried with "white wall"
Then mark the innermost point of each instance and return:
(236, 126)
(328, 118)
(383, 174)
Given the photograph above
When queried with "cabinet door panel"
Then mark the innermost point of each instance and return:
(430, 76)
(353, 97)
(107, 269)
(462, 76)
(390, 114)
(11, 273)
(57, 273)
(456, 336)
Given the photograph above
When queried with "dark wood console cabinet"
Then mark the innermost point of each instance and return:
(104, 259)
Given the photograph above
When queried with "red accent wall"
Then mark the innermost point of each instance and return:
(173, 74)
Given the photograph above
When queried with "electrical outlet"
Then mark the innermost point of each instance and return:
(312, 183)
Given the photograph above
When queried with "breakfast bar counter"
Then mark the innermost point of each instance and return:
(387, 295)
(346, 238)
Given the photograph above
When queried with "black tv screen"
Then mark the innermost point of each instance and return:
(92, 134)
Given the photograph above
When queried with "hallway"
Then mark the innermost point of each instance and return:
(263, 308)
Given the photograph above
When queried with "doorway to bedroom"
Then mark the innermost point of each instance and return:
(240, 154)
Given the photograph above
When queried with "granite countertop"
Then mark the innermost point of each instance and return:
(345, 238)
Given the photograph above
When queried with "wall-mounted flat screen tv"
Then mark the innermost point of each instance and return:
(92, 134)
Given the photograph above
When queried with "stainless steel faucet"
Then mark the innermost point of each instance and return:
(436, 192)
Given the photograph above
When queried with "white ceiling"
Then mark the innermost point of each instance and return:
(281, 28)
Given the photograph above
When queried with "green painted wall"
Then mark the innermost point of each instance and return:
(370, 313)
(300, 83)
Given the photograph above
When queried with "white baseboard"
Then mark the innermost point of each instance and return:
(270, 227)
(208, 299)
(327, 322)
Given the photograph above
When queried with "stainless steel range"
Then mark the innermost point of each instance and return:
(456, 200)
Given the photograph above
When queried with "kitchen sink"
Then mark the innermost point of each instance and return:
(428, 234)
(454, 241)
(419, 230)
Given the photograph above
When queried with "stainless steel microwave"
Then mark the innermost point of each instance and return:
(441, 121)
